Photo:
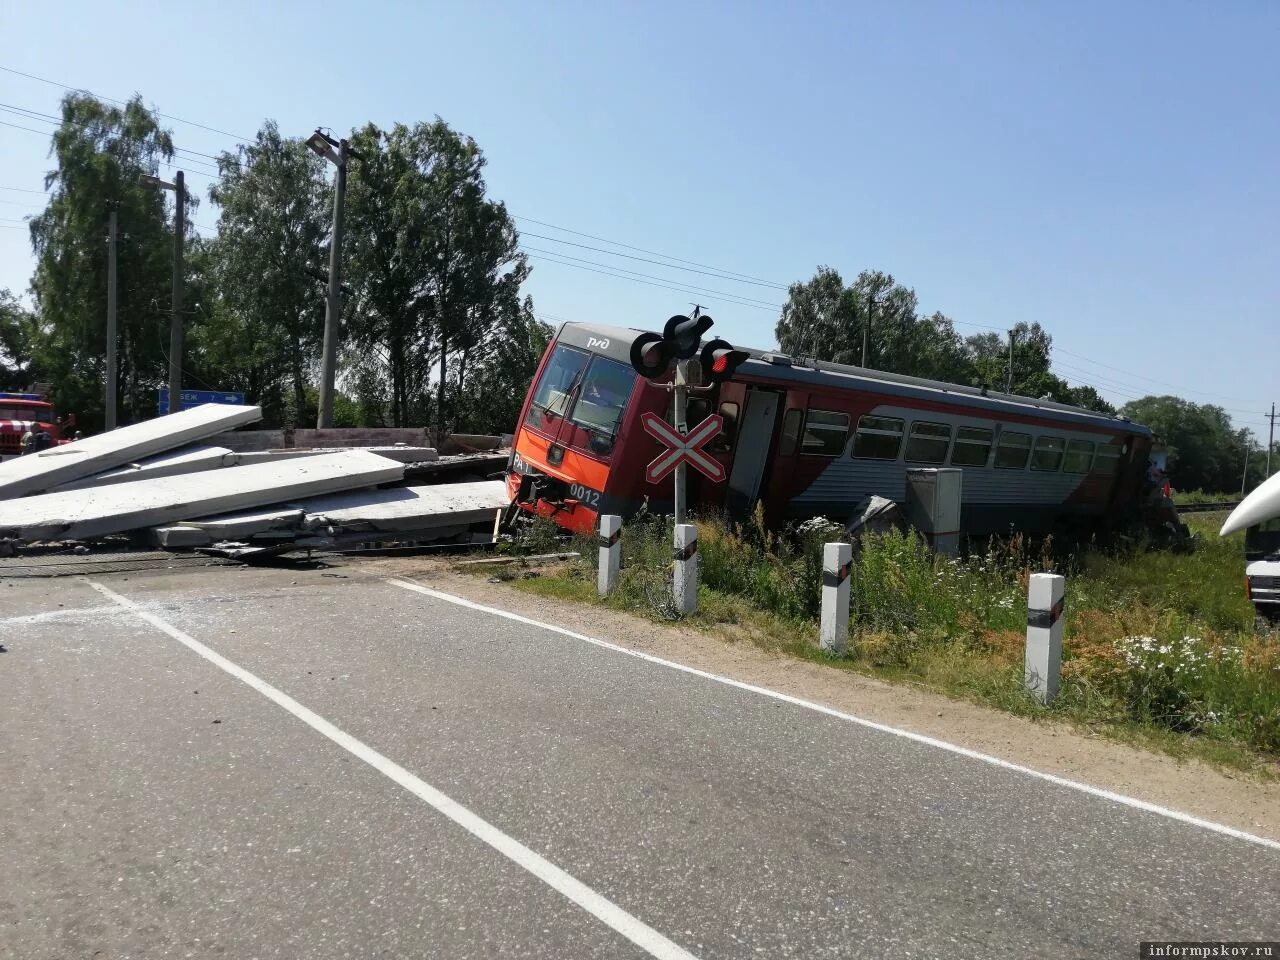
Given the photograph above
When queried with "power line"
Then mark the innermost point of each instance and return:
(650, 283)
(24, 190)
(617, 243)
(167, 116)
(1146, 392)
(17, 126)
(83, 124)
(1138, 376)
(650, 276)
(672, 266)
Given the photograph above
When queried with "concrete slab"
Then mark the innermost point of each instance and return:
(39, 472)
(271, 522)
(360, 437)
(428, 510)
(80, 514)
(189, 460)
(400, 453)
(253, 440)
(329, 439)
(195, 459)
(408, 508)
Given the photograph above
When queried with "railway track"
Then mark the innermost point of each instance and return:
(1207, 507)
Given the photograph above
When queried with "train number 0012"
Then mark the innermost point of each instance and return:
(584, 495)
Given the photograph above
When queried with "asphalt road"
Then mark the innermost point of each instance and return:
(372, 772)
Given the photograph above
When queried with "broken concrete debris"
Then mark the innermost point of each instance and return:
(263, 489)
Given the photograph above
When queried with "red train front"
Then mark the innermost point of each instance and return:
(572, 459)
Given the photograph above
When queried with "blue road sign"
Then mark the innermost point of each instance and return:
(194, 398)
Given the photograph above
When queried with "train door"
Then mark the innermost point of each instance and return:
(755, 435)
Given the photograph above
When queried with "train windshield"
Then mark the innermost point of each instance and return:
(588, 391)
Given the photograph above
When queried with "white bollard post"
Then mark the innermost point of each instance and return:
(610, 554)
(1046, 600)
(686, 568)
(836, 564)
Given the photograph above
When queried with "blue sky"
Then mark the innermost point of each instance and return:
(1108, 169)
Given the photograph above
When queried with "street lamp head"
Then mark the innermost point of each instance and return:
(148, 180)
(322, 146)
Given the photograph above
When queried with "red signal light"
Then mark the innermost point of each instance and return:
(720, 360)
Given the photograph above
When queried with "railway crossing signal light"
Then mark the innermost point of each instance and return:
(650, 355)
(719, 360)
(684, 334)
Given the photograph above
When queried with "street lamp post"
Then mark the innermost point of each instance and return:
(336, 152)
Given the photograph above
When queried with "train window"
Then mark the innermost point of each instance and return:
(1079, 457)
(1012, 450)
(791, 431)
(1107, 459)
(878, 438)
(603, 395)
(825, 432)
(928, 442)
(973, 447)
(1047, 455)
(723, 441)
(558, 381)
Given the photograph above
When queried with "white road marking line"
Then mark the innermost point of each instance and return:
(603, 909)
(1093, 791)
(50, 616)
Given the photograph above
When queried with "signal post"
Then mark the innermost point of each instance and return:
(652, 355)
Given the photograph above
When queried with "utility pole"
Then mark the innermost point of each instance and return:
(1245, 476)
(866, 328)
(176, 330)
(1009, 380)
(1271, 436)
(176, 327)
(336, 152)
(444, 316)
(112, 332)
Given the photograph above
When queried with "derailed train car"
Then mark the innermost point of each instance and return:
(807, 438)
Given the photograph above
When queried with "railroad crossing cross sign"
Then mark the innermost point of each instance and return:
(683, 447)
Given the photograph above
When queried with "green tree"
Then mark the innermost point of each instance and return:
(821, 319)
(491, 383)
(825, 319)
(101, 153)
(18, 332)
(1032, 359)
(263, 329)
(435, 266)
(1089, 398)
(1205, 451)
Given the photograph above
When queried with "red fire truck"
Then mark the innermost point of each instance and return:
(21, 412)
